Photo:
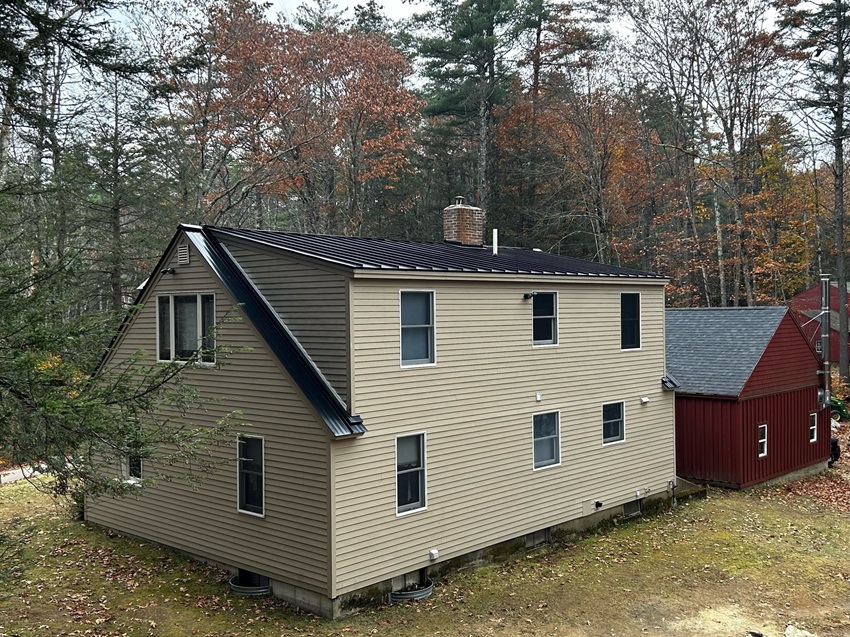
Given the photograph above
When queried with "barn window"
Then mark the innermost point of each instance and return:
(813, 427)
(762, 441)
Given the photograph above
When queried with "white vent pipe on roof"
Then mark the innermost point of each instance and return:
(495, 241)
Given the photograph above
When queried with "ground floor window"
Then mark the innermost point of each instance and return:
(250, 450)
(762, 438)
(131, 467)
(613, 422)
(547, 439)
(410, 473)
(813, 427)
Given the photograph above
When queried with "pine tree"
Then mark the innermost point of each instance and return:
(822, 35)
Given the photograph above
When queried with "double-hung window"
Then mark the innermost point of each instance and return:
(547, 439)
(613, 422)
(630, 320)
(762, 440)
(544, 318)
(250, 474)
(186, 324)
(417, 328)
(813, 427)
(410, 473)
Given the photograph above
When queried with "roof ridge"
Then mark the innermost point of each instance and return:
(405, 255)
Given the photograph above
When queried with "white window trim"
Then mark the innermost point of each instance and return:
(760, 440)
(602, 421)
(640, 323)
(560, 450)
(401, 514)
(557, 341)
(813, 428)
(402, 364)
(125, 470)
(171, 296)
(238, 476)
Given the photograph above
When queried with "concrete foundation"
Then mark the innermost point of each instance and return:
(349, 603)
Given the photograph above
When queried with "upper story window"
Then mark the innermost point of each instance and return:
(545, 318)
(186, 324)
(410, 473)
(613, 422)
(762, 438)
(630, 320)
(250, 477)
(417, 328)
(547, 439)
(813, 427)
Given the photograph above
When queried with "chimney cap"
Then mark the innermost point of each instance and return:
(459, 200)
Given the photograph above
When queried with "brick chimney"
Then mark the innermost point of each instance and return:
(463, 224)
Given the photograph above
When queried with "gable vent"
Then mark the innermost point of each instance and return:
(183, 254)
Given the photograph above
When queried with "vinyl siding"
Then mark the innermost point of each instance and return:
(309, 299)
(476, 406)
(291, 542)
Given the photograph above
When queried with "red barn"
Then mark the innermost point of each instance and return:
(807, 306)
(747, 405)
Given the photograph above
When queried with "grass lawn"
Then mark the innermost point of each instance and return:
(722, 566)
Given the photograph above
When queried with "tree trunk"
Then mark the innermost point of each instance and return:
(721, 263)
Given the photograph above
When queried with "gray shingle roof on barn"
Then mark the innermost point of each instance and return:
(713, 351)
(361, 253)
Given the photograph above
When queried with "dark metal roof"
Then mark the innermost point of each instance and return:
(361, 253)
(713, 351)
(277, 336)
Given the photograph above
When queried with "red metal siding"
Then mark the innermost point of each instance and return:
(717, 440)
(810, 299)
(812, 331)
(787, 363)
(788, 448)
(708, 443)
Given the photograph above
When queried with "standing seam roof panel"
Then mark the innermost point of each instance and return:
(387, 255)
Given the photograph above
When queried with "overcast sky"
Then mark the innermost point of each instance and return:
(395, 9)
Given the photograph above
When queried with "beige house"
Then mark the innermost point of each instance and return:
(408, 403)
